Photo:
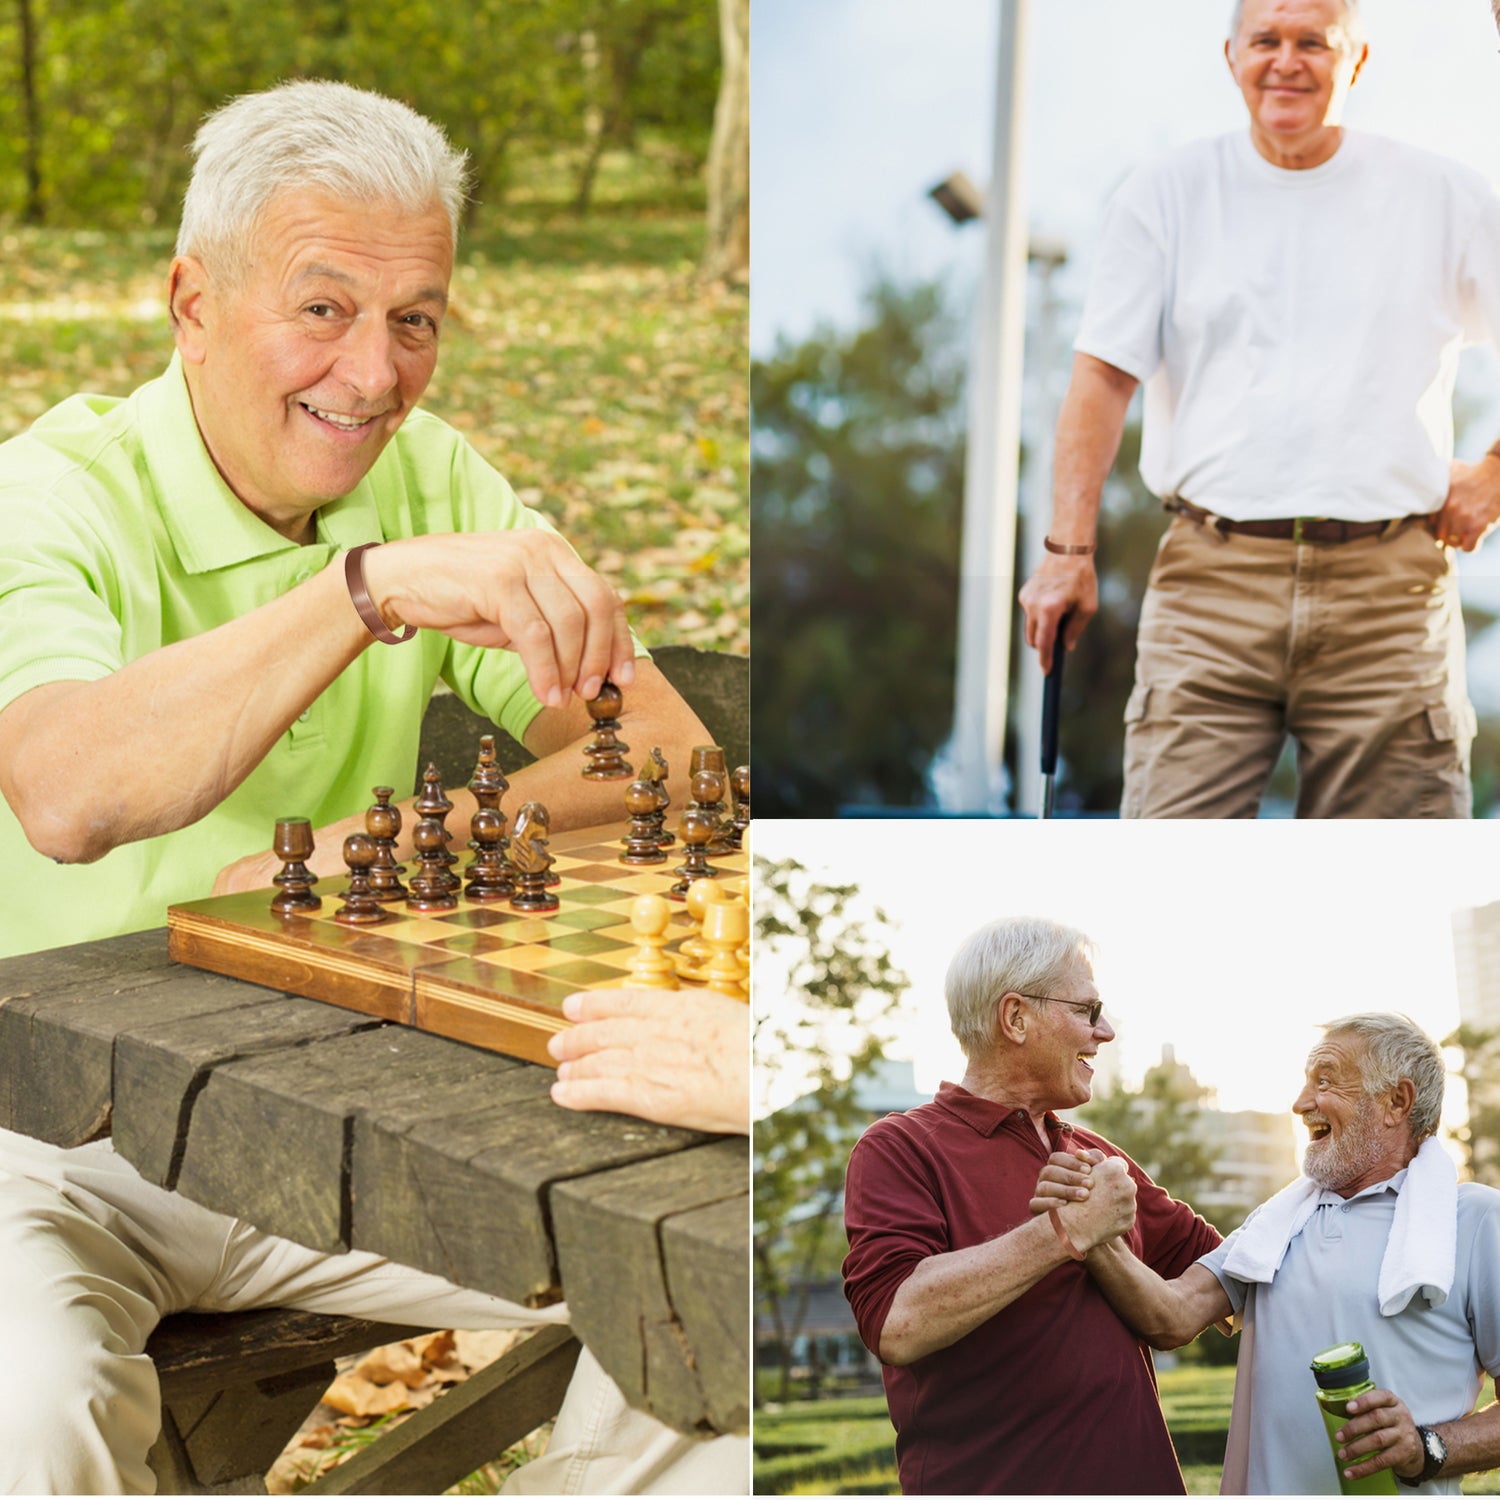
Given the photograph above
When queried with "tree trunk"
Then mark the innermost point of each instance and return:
(32, 151)
(727, 256)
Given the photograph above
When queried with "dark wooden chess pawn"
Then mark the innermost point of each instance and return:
(383, 824)
(293, 845)
(430, 890)
(490, 877)
(604, 755)
(655, 771)
(696, 829)
(708, 758)
(530, 860)
(739, 784)
(360, 903)
(641, 846)
(709, 787)
(434, 804)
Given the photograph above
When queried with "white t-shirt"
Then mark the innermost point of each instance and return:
(1299, 332)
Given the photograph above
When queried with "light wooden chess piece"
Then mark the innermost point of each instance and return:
(726, 929)
(693, 952)
(649, 916)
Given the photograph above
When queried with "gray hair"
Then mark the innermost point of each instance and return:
(351, 143)
(1027, 954)
(1396, 1048)
(1354, 28)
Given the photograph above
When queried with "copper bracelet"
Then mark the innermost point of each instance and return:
(1062, 1235)
(1070, 549)
(354, 576)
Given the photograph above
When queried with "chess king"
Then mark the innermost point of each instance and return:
(228, 598)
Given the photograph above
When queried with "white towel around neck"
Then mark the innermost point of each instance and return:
(1419, 1252)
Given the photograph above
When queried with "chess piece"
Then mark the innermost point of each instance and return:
(649, 916)
(604, 758)
(708, 796)
(655, 772)
(434, 804)
(383, 824)
(490, 877)
(739, 784)
(360, 905)
(488, 783)
(430, 890)
(708, 758)
(293, 845)
(641, 847)
(693, 953)
(726, 928)
(530, 860)
(696, 829)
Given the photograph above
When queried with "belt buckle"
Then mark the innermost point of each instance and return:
(1298, 522)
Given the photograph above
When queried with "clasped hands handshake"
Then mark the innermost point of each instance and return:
(1094, 1195)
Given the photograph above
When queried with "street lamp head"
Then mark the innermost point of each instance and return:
(958, 198)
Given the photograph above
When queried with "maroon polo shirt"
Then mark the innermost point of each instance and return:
(1053, 1395)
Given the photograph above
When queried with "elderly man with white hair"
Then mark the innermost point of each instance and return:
(1006, 1371)
(232, 594)
(1294, 298)
(1378, 1244)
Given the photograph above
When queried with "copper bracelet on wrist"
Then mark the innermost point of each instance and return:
(354, 576)
(1069, 549)
(1062, 1235)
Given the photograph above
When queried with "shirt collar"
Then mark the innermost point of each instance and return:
(1392, 1184)
(984, 1116)
(209, 525)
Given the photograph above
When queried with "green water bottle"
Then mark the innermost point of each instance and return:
(1343, 1373)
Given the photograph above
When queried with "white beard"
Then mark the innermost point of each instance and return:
(1334, 1162)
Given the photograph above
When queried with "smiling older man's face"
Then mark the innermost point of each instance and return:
(1351, 1145)
(1294, 60)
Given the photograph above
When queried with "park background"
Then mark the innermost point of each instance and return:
(1221, 948)
(594, 350)
(864, 321)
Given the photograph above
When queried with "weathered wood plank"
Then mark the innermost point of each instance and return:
(707, 1256)
(620, 1302)
(298, 1108)
(159, 1070)
(464, 1428)
(115, 963)
(463, 1194)
(57, 1051)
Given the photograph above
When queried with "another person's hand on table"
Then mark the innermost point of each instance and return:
(678, 1057)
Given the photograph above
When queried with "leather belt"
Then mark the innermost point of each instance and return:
(1299, 529)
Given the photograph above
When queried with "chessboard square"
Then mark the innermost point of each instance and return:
(390, 952)
(523, 958)
(415, 927)
(588, 944)
(529, 929)
(586, 971)
(597, 874)
(587, 920)
(474, 943)
(623, 932)
(481, 916)
(645, 883)
(599, 854)
(590, 895)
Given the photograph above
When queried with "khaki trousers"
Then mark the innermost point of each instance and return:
(1355, 650)
(92, 1257)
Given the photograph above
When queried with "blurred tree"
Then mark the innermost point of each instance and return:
(822, 1019)
(727, 257)
(31, 150)
(1480, 1071)
(857, 452)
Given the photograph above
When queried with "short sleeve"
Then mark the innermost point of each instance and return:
(894, 1222)
(1479, 275)
(1234, 1289)
(1483, 1288)
(1123, 312)
(1172, 1235)
(58, 621)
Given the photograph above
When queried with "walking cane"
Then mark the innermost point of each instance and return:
(1051, 711)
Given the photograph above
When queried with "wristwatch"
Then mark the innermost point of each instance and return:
(1436, 1451)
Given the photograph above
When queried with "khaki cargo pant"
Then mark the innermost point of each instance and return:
(92, 1257)
(1354, 650)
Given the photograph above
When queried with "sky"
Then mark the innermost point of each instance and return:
(1229, 940)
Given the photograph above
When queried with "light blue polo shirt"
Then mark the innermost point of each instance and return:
(118, 536)
(1324, 1293)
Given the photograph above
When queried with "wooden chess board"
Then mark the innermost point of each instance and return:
(481, 973)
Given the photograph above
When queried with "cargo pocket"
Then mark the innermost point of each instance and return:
(1446, 790)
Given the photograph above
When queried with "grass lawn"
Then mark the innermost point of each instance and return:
(581, 357)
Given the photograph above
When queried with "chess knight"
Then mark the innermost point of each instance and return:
(254, 570)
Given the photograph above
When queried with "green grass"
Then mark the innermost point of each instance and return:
(583, 359)
(835, 1447)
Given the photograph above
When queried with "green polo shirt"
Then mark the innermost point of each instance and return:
(118, 536)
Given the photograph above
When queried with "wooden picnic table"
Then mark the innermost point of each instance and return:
(344, 1132)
